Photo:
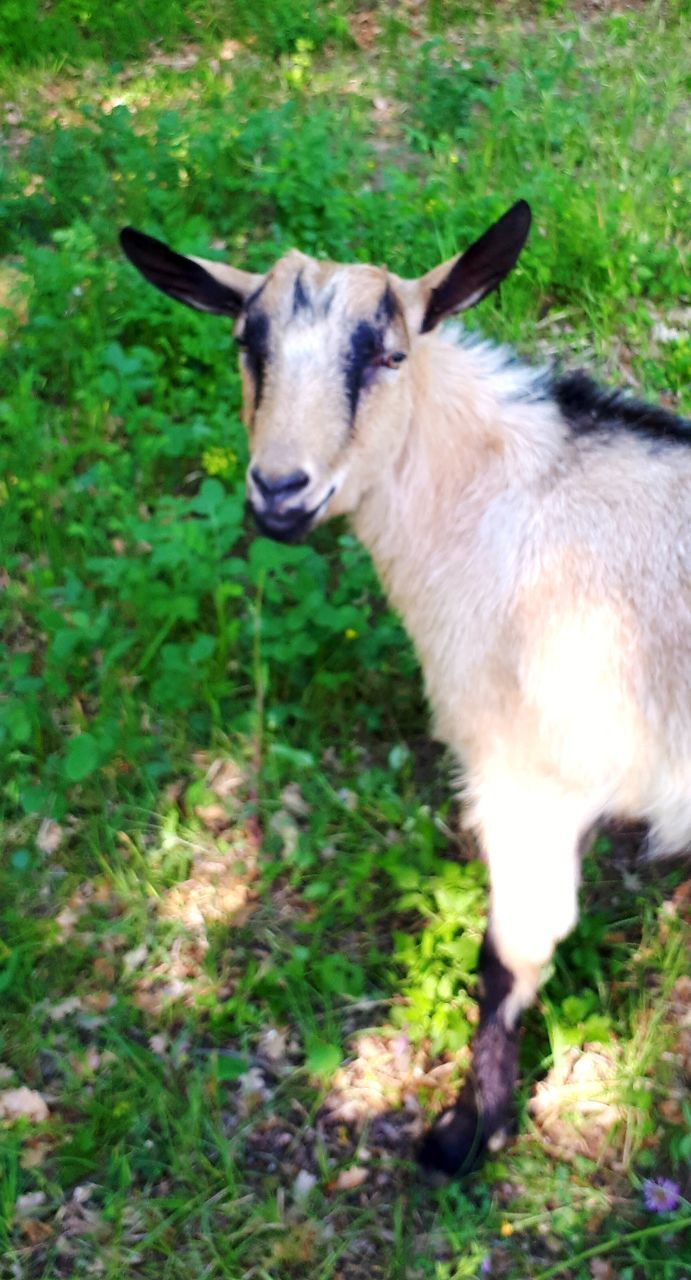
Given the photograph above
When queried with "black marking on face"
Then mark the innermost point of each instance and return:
(366, 343)
(590, 409)
(326, 300)
(388, 308)
(301, 299)
(255, 342)
(367, 352)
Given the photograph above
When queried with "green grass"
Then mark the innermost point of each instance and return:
(227, 842)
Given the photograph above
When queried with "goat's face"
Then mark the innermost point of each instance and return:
(326, 389)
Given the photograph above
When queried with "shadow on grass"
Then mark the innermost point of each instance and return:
(197, 1086)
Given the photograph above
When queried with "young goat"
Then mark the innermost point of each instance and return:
(534, 534)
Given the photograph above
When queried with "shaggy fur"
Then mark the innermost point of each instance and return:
(543, 573)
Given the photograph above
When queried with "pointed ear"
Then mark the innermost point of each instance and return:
(460, 283)
(198, 282)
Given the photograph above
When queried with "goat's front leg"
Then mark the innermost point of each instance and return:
(534, 881)
(482, 1115)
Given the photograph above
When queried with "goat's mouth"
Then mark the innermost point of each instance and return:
(288, 525)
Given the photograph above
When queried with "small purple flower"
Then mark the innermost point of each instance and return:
(486, 1265)
(660, 1195)
(400, 1046)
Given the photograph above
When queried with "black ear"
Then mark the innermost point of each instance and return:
(182, 278)
(480, 269)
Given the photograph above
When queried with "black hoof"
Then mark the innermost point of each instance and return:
(456, 1142)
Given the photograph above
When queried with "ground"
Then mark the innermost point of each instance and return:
(240, 919)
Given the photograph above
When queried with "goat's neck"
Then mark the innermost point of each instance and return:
(474, 434)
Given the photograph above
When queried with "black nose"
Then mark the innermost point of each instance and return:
(279, 486)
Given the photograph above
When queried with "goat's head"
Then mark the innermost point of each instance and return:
(326, 392)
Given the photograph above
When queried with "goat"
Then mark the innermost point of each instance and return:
(531, 529)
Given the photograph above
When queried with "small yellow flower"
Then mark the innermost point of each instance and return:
(506, 1229)
(350, 634)
(219, 462)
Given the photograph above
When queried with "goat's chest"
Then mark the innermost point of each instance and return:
(452, 581)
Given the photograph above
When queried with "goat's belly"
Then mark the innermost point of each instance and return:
(600, 754)
(583, 736)
(571, 698)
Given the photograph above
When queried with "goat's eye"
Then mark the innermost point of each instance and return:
(387, 359)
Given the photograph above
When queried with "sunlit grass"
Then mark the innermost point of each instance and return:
(239, 934)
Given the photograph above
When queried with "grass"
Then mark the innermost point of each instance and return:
(238, 932)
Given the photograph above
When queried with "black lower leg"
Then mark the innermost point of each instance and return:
(458, 1138)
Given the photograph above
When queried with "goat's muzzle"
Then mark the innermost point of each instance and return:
(272, 502)
(283, 526)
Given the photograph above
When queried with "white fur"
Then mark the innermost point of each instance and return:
(545, 579)
(546, 583)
